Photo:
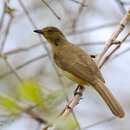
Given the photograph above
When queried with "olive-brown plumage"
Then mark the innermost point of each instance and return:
(79, 66)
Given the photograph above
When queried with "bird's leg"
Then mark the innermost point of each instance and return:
(93, 56)
(68, 107)
(76, 91)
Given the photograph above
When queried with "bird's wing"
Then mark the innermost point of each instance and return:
(88, 62)
(81, 65)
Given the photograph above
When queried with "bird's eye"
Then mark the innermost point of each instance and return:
(50, 31)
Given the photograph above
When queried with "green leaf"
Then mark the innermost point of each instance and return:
(10, 105)
(31, 91)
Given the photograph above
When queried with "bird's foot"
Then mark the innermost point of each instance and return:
(76, 91)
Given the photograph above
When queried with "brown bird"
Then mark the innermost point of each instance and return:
(79, 66)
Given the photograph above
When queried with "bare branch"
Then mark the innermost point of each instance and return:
(115, 34)
(113, 51)
(84, 30)
(11, 67)
(78, 2)
(6, 32)
(23, 65)
(120, 54)
(9, 11)
(77, 16)
(51, 10)
(22, 49)
(2, 16)
(35, 116)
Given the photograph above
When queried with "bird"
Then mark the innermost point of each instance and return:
(78, 66)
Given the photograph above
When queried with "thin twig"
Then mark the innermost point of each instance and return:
(35, 116)
(6, 32)
(74, 23)
(120, 54)
(4, 41)
(78, 2)
(23, 65)
(115, 49)
(22, 49)
(114, 35)
(2, 16)
(28, 110)
(85, 30)
(11, 67)
(51, 9)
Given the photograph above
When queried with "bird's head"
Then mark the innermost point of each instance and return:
(52, 34)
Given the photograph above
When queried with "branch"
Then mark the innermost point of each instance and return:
(120, 54)
(11, 67)
(84, 30)
(114, 50)
(51, 9)
(22, 49)
(6, 32)
(77, 16)
(23, 65)
(78, 2)
(73, 102)
(35, 115)
(9, 11)
(114, 35)
(2, 16)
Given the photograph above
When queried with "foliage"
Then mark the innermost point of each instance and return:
(41, 97)
(31, 91)
(10, 105)
(65, 123)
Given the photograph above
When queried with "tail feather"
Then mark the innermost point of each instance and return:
(109, 99)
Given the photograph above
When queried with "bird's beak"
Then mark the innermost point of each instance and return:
(38, 31)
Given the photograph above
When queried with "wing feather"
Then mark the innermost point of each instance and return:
(81, 65)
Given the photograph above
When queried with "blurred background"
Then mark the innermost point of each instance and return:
(87, 23)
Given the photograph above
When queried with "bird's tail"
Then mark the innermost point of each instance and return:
(109, 99)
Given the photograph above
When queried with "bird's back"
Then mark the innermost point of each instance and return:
(75, 61)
